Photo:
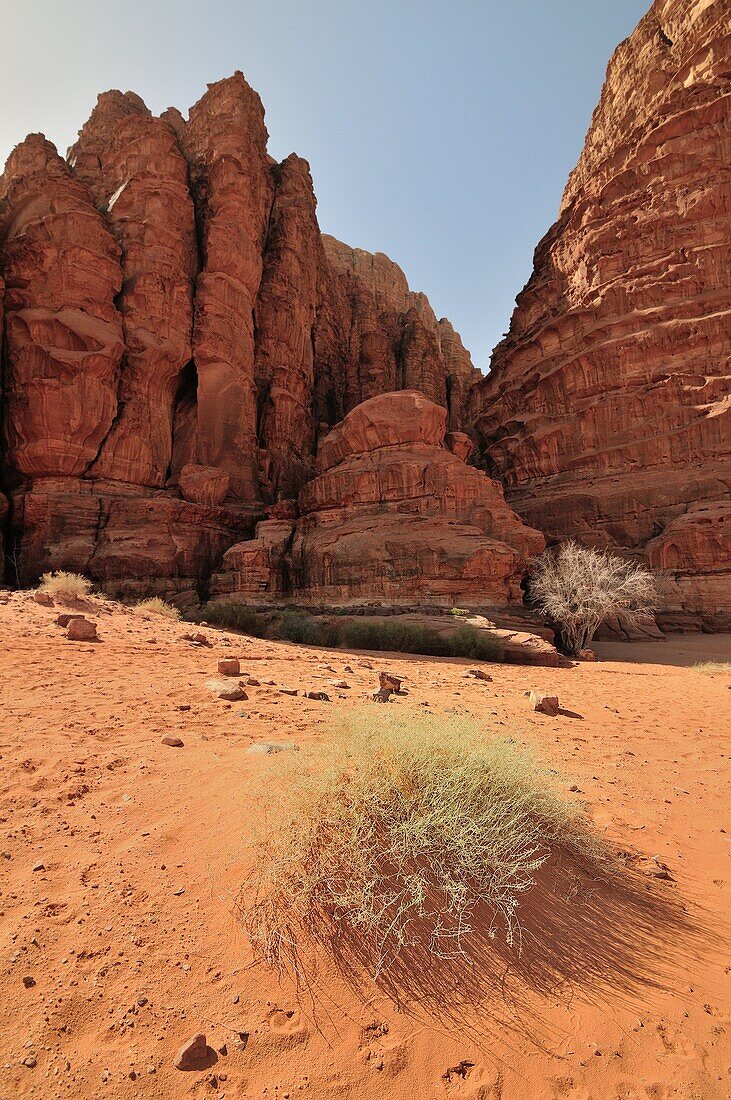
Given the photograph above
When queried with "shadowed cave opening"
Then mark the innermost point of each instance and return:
(184, 421)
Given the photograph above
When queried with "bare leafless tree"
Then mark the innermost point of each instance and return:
(578, 588)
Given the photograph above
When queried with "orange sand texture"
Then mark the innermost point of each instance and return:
(126, 935)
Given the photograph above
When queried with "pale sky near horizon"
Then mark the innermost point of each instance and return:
(438, 132)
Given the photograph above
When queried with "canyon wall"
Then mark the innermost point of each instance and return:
(606, 413)
(204, 395)
(178, 337)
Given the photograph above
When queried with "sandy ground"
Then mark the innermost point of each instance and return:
(121, 858)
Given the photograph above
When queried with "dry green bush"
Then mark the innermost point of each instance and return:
(155, 606)
(403, 828)
(234, 616)
(305, 629)
(480, 645)
(709, 668)
(65, 586)
(578, 588)
(395, 637)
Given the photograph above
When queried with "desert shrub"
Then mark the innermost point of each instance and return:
(577, 589)
(305, 629)
(709, 668)
(155, 606)
(234, 616)
(480, 645)
(397, 832)
(459, 612)
(65, 586)
(394, 637)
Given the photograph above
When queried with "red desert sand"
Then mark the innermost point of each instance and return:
(122, 852)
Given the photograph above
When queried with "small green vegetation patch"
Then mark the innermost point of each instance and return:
(234, 616)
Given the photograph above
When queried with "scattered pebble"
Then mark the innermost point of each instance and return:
(229, 666)
(192, 1053)
(545, 704)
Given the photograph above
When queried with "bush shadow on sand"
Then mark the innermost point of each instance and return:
(598, 937)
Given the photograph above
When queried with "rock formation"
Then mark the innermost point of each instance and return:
(606, 412)
(394, 513)
(225, 141)
(135, 172)
(63, 334)
(204, 394)
(178, 336)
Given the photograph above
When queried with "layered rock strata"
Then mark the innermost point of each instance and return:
(607, 409)
(393, 512)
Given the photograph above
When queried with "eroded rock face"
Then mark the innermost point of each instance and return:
(285, 319)
(136, 173)
(388, 337)
(3, 498)
(63, 334)
(186, 357)
(178, 338)
(606, 412)
(133, 543)
(394, 512)
(225, 141)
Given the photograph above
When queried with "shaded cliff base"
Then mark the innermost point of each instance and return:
(126, 934)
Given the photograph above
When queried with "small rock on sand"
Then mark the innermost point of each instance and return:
(43, 599)
(233, 694)
(545, 704)
(478, 674)
(229, 666)
(388, 680)
(65, 618)
(81, 630)
(318, 696)
(173, 742)
(192, 1053)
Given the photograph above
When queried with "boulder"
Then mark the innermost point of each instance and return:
(81, 629)
(193, 1053)
(203, 484)
(229, 666)
(394, 512)
(544, 704)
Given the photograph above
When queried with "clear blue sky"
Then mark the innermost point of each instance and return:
(438, 131)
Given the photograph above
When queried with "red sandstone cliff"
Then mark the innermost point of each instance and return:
(393, 512)
(178, 336)
(606, 412)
